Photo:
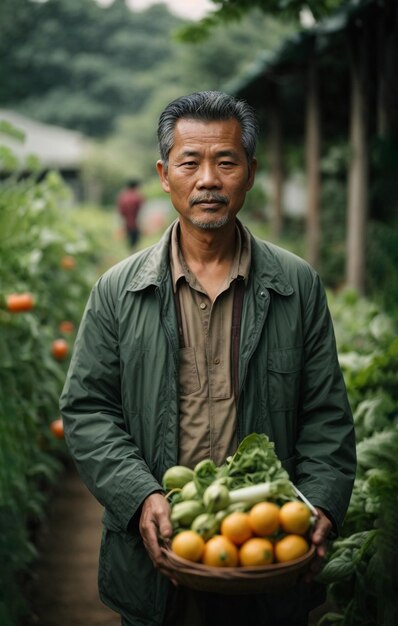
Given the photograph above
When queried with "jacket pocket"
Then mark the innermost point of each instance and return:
(127, 580)
(189, 373)
(284, 376)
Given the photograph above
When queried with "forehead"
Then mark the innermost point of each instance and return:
(223, 134)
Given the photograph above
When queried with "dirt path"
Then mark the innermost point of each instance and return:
(65, 591)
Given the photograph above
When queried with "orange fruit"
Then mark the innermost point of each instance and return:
(67, 262)
(57, 428)
(59, 349)
(219, 551)
(295, 517)
(264, 518)
(236, 527)
(290, 547)
(189, 545)
(256, 551)
(19, 302)
(66, 327)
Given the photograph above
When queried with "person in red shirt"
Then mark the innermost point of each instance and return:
(129, 203)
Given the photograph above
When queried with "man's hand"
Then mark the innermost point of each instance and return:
(155, 527)
(320, 534)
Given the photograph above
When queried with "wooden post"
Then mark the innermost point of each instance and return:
(276, 162)
(358, 172)
(312, 144)
(383, 44)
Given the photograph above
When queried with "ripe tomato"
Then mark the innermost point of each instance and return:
(290, 547)
(264, 518)
(236, 527)
(66, 327)
(189, 545)
(19, 302)
(59, 349)
(57, 428)
(219, 551)
(67, 262)
(256, 551)
(295, 517)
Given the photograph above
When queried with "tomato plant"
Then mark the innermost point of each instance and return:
(37, 294)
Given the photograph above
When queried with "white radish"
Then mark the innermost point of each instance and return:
(251, 494)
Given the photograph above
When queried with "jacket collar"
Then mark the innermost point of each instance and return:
(266, 266)
(155, 267)
(268, 269)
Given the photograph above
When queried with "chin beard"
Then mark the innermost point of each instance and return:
(212, 225)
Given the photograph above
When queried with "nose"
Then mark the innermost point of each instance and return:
(208, 177)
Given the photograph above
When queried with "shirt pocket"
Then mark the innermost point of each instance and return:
(284, 378)
(189, 373)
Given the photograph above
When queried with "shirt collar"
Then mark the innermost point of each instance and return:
(240, 266)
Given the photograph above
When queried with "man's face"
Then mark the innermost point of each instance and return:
(208, 174)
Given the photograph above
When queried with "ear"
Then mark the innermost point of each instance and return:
(163, 175)
(252, 174)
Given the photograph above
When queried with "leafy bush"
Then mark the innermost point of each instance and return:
(358, 571)
(41, 253)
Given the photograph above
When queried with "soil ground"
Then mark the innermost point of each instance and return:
(65, 587)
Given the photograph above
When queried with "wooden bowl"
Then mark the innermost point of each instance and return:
(238, 580)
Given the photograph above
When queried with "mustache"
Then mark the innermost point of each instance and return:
(214, 197)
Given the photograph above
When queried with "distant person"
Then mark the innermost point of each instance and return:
(129, 203)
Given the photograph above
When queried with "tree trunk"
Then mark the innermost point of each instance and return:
(358, 172)
(313, 141)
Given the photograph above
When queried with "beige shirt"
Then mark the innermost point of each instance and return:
(207, 426)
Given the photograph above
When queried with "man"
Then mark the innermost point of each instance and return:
(129, 203)
(187, 347)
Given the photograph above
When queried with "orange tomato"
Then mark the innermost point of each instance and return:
(264, 518)
(66, 327)
(295, 517)
(219, 551)
(19, 302)
(290, 547)
(59, 349)
(67, 262)
(236, 527)
(189, 545)
(57, 428)
(256, 551)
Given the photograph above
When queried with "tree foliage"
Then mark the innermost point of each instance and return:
(74, 63)
(235, 10)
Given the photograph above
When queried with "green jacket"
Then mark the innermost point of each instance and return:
(120, 400)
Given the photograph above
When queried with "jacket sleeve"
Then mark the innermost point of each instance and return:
(325, 449)
(105, 454)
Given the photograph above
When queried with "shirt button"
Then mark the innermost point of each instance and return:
(217, 361)
(203, 305)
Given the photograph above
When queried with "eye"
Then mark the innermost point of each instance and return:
(188, 164)
(226, 164)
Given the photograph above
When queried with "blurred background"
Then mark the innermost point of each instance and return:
(82, 84)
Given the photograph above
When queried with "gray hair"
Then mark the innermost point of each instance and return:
(207, 106)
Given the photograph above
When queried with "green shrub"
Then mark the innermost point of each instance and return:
(35, 237)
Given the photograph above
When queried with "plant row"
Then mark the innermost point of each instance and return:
(45, 273)
(359, 571)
